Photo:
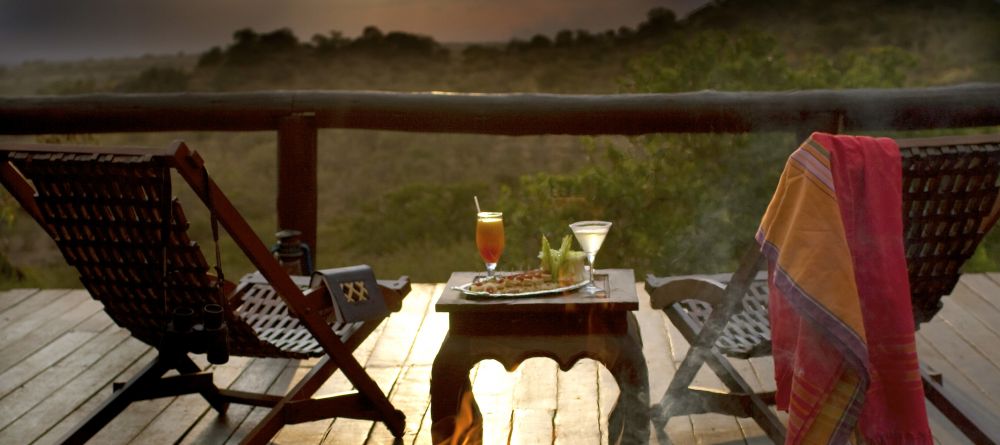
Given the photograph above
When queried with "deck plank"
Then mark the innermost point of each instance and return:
(392, 354)
(493, 387)
(212, 428)
(534, 404)
(50, 329)
(993, 276)
(944, 432)
(942, 429)
(424, 351)
(764, 369)
(123, 427)
(68, 372)
(33, 408)
(187, 410)
(971, 329)
(423, 436)
(749, 429)
(21, 319)
(240, 419)
(963, 357)
(706, 428)
(578, 414)
(981, 302)
(41, 360)
(411, 394)
(607, 390)
(111, 337)
(31, 307)
(384, 365)
(289, 374)
(317, 431)
(659, 354)
(137, 416)
(12, 297)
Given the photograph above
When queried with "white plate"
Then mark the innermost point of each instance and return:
(465, 290)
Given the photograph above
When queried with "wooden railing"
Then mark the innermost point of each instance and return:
(297, 115)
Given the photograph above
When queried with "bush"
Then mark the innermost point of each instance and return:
(688, 203)
(156, 80)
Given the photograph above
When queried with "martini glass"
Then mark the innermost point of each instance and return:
(489, 238)
(590, 235)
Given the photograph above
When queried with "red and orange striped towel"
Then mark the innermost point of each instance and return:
(842, 326)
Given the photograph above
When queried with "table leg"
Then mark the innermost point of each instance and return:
(455, 415)
(629, 420)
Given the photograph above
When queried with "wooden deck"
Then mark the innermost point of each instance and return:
(59, 354)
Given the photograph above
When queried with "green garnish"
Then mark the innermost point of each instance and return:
(546, 255)
(553, 260)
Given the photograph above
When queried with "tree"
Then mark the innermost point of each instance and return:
(212, 57)
(687, 203)
(330, 44)
(659, 21)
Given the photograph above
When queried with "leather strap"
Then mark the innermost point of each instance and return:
(220, 277)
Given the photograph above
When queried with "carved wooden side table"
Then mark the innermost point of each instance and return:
(564, 328)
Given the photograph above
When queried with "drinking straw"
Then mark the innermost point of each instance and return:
(476, 198)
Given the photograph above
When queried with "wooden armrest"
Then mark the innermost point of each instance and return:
(393, 292)
(665, 291)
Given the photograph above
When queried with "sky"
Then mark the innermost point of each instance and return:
(80, 29)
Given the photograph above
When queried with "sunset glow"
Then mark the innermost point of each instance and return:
(63, 30)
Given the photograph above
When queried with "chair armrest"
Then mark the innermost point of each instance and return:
(393, 292)
(665, 291)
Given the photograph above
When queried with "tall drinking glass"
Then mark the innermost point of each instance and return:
(590, 235)
(489, 238)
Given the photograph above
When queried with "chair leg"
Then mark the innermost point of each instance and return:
(185, 365)
(676, 397)
(757, 407)
(962, 411)
(276, 418)
(117, 403)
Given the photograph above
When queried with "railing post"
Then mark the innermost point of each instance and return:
(297, 189)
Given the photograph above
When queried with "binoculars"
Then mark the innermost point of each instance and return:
(202, 333)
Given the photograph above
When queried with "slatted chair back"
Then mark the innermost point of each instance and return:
(111, 213)
(951, 200)
(114, 219)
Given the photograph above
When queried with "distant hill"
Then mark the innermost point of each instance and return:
(433, 175)
(955, 41)
(83, 76)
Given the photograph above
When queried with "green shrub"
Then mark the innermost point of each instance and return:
(688, 203)
(156, 80)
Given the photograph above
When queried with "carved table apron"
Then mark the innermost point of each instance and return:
(564, 328)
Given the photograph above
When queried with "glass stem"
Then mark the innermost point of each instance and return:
(489, 269)
(590, 259)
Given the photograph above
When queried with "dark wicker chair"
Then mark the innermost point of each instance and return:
(950, 202)
(111, 213)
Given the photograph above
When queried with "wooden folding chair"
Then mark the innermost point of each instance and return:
(950, 202)
(111, 214)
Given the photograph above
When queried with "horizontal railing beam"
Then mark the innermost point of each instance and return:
(968, 105)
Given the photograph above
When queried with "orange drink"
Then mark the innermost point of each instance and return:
(489, 238)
